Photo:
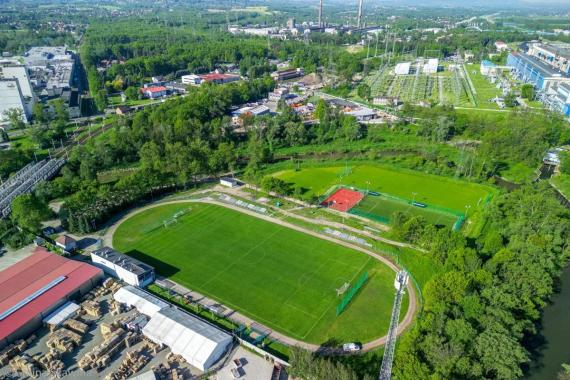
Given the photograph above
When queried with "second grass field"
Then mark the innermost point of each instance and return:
(407, 184)
(282, 278)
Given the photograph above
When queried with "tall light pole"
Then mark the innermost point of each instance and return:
(321, 14)
(359, 22)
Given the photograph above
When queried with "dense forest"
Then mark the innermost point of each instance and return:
(481, 311)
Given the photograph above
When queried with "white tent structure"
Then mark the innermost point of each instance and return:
(198, 342)
(144, 302)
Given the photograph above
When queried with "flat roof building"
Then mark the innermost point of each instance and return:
(126, 268)
(11, 98)
(287, 74)
(530, 69)
(35, 287)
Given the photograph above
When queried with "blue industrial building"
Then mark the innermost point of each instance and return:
(552, 84)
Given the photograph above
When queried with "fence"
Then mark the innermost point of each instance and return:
(351, 293)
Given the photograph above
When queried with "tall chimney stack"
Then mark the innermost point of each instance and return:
(359, 25)
(321, 14)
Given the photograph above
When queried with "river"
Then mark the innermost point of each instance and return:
(555, 335)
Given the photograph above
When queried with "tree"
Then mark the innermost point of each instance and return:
(565, 162)
(564, 373)
(527, 91)
(15, 117)
(363, 90)
(350, 128)
(38, 113)
(510, 100)
(4, 135)
(132, 93)
(60, 110)
(28, 211)
(277, 185)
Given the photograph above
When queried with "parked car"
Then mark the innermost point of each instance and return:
(351, 347)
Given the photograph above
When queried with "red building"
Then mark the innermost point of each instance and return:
(34, 287)
(219, 78)
(154, 92)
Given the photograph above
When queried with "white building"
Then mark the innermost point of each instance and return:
(144, 302)
(403, 68)
(67, 243)
(229, 182)
(20, 73)
(501, 46)
(198, 342)
(11, 98)
(431, 66)
(126, 268)
(191, 79)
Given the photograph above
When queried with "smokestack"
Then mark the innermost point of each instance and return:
(321, 14)
(359, 14)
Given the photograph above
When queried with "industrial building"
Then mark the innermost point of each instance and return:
(560, 99)
(198, 342)
(552, 84)
(287, 74)
(11, 98)
(555, 55)
(530, 69)
(50, 66)
(19, 74)
(35, 287)
(123, 267)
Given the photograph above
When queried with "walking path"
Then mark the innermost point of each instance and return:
(242, 319)
(323, 222)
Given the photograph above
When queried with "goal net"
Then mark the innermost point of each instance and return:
(340, 291)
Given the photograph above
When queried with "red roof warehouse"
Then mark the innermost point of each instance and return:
(36, 286)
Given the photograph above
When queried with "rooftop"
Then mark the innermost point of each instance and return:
(154, 89)
(37, 283)
(126, 262)
(10, 96)
(556, 50)
(65, 240)
(543, 68)
(216, 76)
(195, 324)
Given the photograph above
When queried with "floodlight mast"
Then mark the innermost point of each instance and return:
(359, 23)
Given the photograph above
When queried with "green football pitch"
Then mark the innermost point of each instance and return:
(280, 277)
(383, 207)
(425, 188)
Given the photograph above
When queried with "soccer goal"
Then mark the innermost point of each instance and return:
(340, 291)
(174, 219)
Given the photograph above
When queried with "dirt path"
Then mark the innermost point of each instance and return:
(405, 323)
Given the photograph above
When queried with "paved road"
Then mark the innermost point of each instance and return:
(240, 318)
